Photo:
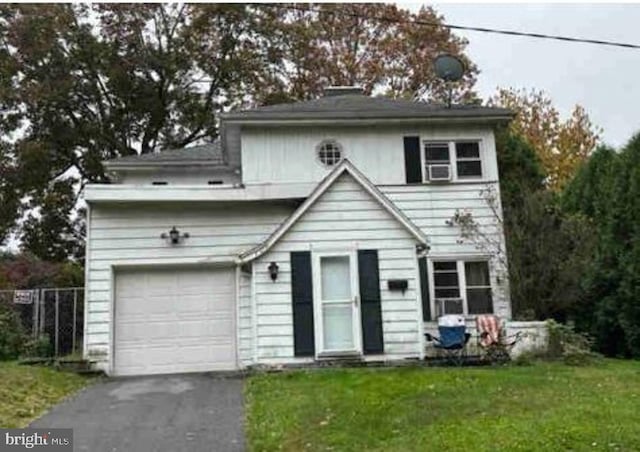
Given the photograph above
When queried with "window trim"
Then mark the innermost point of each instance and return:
(333, 142)
(462, 281)
(453, 159)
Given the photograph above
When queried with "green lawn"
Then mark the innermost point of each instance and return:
(27, 391)
(538, 407)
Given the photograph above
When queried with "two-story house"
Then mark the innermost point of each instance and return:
(313, 230)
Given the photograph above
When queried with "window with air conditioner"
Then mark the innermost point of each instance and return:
(437, 161)
(458, 160)
(446, 285)
(462, 287)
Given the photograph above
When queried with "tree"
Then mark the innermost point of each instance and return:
(82, 84)
(9, 195)
(561, 145)
(519, 166)
(89, 84)
(549, 250)
(26, 271)
(51, 230)
(607, 189)
(376, 46)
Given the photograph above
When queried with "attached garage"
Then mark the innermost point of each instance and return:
(174, 320)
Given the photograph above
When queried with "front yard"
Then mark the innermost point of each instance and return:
(539, 407)
(27, 391)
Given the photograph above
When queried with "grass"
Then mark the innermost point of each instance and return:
(539, 407)
(27, 391)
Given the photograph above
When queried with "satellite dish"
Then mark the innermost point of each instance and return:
(448, 67)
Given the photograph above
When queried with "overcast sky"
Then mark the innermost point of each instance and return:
(605, 80)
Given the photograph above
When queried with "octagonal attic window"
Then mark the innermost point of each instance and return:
(329, 153)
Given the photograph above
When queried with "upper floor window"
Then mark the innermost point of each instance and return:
(329, 153)
(436, 153)
(451, 160)
(468, 163)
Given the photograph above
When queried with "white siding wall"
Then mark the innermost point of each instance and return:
(322, 228)
(122, 235)
(180, 176)
(245, 320)
(431, 206)
(288, 155)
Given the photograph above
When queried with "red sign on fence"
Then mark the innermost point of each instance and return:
(23, 296)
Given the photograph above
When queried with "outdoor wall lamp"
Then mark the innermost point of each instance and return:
(174, 236)
(273, 271)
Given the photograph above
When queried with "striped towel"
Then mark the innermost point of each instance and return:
(488, 329)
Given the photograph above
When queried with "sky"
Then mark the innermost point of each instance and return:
(604, 80)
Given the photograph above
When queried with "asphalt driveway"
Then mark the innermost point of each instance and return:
(174, 413)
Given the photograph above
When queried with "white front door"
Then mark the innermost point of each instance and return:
(337, 306)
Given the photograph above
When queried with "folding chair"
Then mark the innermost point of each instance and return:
(453, 338)
(492, 338)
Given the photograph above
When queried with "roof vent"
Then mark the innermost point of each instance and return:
(332, 91)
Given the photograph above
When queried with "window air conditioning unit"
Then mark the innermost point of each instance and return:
(439, 173)
(446, 306)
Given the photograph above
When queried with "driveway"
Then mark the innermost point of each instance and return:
(172, 413)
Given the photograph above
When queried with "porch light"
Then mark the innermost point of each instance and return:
(273, 271)
(174, 236)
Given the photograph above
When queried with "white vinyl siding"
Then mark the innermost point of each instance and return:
(333, 224)
(245, 320)
(129, 235)
(430, 207)
(177, 177)
(288, 155)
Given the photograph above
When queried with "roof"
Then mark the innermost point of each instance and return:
(345, 166)
(358, 106)
(207, 154)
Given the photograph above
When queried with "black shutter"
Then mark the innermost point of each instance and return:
(302, 300)
(370, 309)
(412, 160)
(424, 288)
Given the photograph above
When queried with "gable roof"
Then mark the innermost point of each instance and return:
(345, 166)
(203, 155)
(358, 106)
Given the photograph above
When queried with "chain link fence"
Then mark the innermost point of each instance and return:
(52, 314)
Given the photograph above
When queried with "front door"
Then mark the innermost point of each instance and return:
(337, 308)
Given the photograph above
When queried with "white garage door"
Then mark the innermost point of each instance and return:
(174, 320)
